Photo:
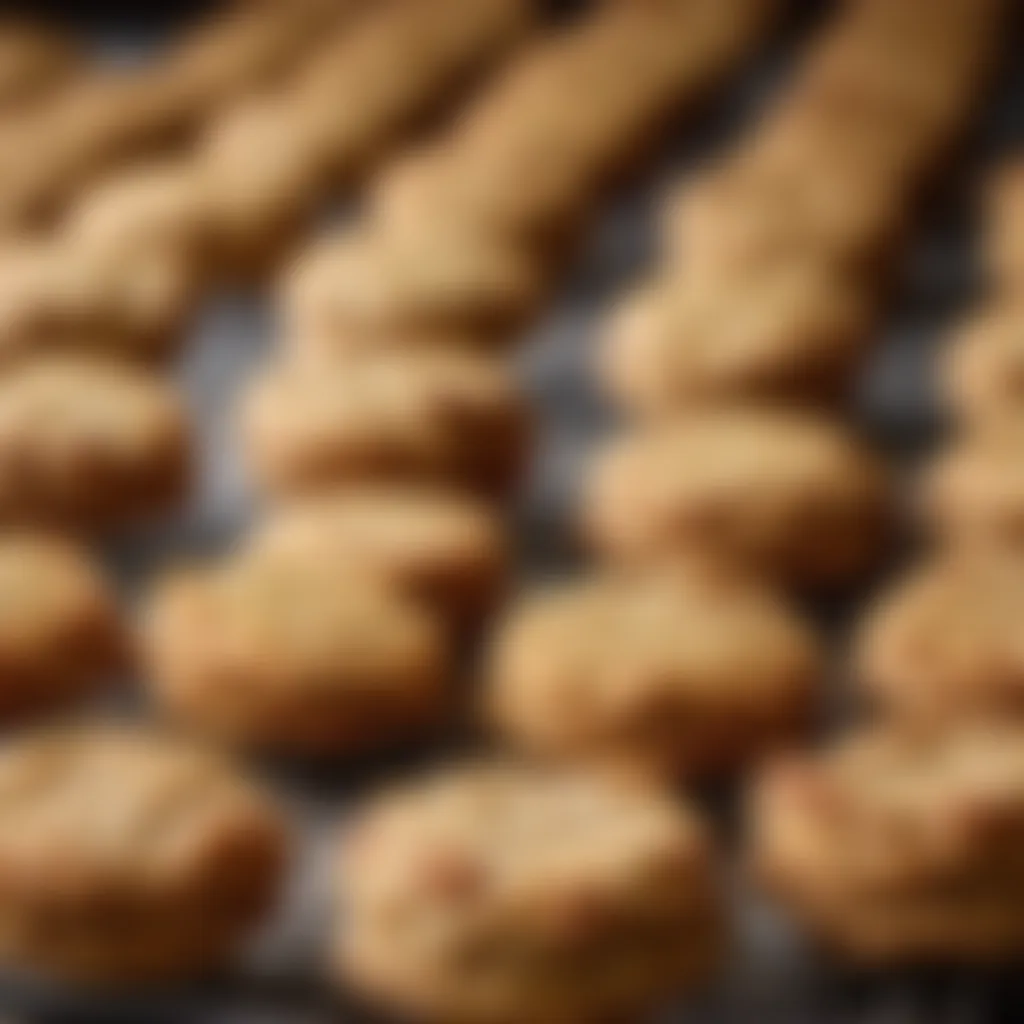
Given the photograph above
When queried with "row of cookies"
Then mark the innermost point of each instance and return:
(801, 217)
(115, 114)
(488, 893)
(460, 239)
(129, 261)
(943, 644)
(899, 844)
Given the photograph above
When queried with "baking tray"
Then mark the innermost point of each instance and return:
(771, 978)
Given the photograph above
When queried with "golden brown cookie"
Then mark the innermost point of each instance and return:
(129, 857)
(157, 206)
(128, 303)
(494, 893)
(896, 849)
(438, 282)
(60, 630)
(791, 494)
(89, 445)
(425, 416)
(445, 549)
(797, 334)
(305, 659)
(974, 490)
(945, 642)
(260, 175)
(745, 214)
(692, 670)
(982, 371)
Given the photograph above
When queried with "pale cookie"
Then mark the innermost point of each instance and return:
(60, 630)
(946, 641)
(430, 416)
(305, 659)
(446, 550)
(382, 285)
(89, 445)
(982, 372)
(680, 672)
(974, 490)
(495, 893)
(792, 329)
(793, 495)
(128, 857)
(897, 849)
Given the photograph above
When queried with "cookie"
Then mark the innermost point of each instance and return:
(129, 857)
(260, 176)
(896, 849)
(798, 334)
(425, 416)
(974, 489)
(89, 445)
(791, 494)
(156, 206)
(60, 631)
(130, 304)
(982, 369)
(744, 214)
(681, 672)
(306, 660)
(944, 642)
(493, 893)
(444, 549)
(435, 283)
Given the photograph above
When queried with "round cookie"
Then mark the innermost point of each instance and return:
(424, 416)
(974, 490)
(679, 672)
(60, 630)
(445, 549)
(129, 857)
(897, 848)
(745, 215)
(57, 297)
(89, 445)
(945, 642)
(155, 206)
(982, 372)
(304, 659)
(798, 333)
(495, 893)
(385, 284)
(261, 172)
(790, 494)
